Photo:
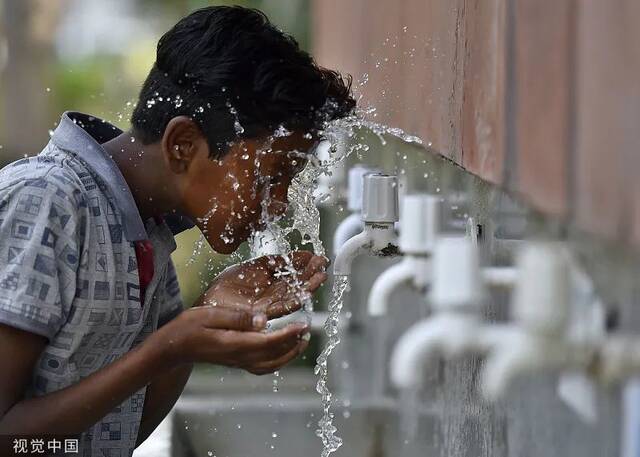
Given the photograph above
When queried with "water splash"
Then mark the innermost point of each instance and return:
(327, 431)
(306, 216)
(343, 135)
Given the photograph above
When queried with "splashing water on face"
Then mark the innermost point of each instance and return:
(306, 216)
(200, 242)
(306, 220)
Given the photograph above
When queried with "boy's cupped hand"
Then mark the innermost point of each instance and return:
(273, 285)
(226, 325)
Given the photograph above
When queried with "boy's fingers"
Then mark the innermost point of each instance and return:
(275, 294)
(316, 265)
(300, 259)
(218, 317)
(273, 352)
(282, 308)
(315, 282)
(287, 301)
(256, 342)
(275, 263)
(273, 365)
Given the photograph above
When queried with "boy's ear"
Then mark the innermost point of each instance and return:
(181, 142)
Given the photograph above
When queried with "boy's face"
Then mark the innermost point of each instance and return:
(232, 197)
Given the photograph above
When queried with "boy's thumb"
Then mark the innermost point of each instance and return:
(235, 319)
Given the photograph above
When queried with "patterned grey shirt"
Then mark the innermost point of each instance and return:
(68, 269)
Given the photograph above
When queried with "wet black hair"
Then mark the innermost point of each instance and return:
(237, 76)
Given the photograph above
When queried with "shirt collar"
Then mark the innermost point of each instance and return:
(83, 134)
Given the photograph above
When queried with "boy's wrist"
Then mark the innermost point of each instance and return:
(162, 351)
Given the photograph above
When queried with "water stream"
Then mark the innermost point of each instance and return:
(327, 431)
(306, 220)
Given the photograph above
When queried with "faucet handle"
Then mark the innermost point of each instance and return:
(457, 282)
(420, 222)
(380, 198)
(541, 297)
(356, 177)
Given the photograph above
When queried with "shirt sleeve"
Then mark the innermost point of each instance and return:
(172, 304)
(40, 232)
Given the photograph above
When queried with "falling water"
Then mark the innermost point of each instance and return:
(306, 220)
(327, 430)
(306, 216)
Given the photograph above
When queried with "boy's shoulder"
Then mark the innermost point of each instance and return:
(44, 176)
(42, 169)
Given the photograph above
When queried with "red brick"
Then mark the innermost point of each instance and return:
(433, 86)
(608, 102)
(544, 37)
(338, 34)
(382, 62)
(483, 108)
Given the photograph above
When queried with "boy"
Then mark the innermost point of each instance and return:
(92, 337)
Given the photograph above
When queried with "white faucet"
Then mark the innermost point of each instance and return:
(456, 326)
(379, 213)
(537, 339)
(540, 338)
(420, 223)
(352, 224)
(456, 297)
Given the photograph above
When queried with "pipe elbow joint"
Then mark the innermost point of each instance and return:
(349, 251)
(347, 229)
(385, 284)
(445, 334)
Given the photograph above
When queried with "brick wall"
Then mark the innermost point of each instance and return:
(539, 96)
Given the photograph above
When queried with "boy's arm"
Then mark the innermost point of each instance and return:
(212, 335)
(161, 395)
(73, 409)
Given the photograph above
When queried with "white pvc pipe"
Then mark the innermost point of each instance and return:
(518, 353)
(500, 276)
(409, 269)
(384, 286)
(446, 334)
(352, 248)
(631, 414)
(348, 228)
(374, 238)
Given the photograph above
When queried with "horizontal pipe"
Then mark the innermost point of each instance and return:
(500, 276)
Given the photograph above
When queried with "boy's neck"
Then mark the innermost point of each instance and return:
(138, 164)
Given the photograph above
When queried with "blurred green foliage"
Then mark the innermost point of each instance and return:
(91, 85)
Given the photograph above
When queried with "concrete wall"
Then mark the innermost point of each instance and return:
(539, 96)
(536, 97)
